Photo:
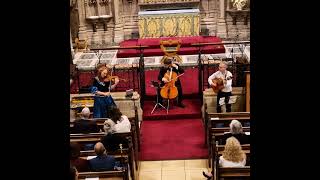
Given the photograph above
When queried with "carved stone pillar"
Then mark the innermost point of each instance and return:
(71, 46)
(118, 30)
(222, 27)
(82, 21)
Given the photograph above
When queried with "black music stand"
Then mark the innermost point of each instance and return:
(156, 85)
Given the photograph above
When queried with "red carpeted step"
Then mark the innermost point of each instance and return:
(172, 140)
(192, 110)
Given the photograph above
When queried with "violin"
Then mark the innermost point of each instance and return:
(112, 78)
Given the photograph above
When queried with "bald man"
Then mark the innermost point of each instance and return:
(102, 162)
(85, 125)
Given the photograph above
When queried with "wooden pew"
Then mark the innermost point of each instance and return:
(115, 174)
(231, 172)
(208, 123)
(216, 135)
(104, 175)
(134, 128)
(96, 137)
(225, 118)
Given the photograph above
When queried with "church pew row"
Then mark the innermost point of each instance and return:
(134, 128)
(211, 119)
(103, 175)
(215, 134)
(96, 137)
(230, 172)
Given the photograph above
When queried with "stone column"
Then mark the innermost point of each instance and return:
(82, 20)
(71, 46)
(118, 30)
(222, 26)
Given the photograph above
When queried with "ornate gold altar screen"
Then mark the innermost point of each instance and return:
(169, 23)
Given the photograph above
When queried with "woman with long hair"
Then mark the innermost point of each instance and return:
(101, 88)
(122, 122)
(232, 156)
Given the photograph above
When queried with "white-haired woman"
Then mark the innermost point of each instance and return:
(236, 131)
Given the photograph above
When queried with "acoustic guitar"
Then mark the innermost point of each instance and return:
(219, 83)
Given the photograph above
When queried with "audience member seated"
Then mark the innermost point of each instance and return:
(73, 173)
(102, 162)
(84, 125)
(232, 156)
(237, 132)
(82, 165)
(123, 123)
(111, 141)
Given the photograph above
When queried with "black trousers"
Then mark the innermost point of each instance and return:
(226, 95)
(179, 100)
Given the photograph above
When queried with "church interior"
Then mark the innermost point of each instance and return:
(146, 100)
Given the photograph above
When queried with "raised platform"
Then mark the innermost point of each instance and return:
(191, 111)
(185, 49)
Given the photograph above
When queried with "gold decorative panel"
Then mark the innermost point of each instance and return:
(167, 25)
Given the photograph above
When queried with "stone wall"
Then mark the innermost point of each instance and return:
(121, 21)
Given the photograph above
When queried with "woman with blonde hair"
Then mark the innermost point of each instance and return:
(232, 156)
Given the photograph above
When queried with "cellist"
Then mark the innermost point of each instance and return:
(169, 64)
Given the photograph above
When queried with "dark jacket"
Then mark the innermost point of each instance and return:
(85, 127)
(163, 71)
(82, 165)
(102, 163)
(111, 142)
(242, 138)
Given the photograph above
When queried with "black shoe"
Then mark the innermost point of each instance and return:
(204, 174)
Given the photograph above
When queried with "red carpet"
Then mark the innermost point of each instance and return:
(191, 111)
(172, 140)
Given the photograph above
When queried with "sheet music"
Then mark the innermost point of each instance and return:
(92, 178)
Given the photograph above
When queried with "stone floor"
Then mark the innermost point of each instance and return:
(173, 170)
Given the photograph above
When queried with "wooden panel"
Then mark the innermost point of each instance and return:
(248, 91)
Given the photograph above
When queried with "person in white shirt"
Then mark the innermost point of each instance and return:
(225, 92)
(122, 122)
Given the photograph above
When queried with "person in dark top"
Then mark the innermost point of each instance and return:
(168, 65)
(100, 88)
(102, 162)
(112, 140)
(85, 125)
(237, 132)
(73, 173)
(82, 165)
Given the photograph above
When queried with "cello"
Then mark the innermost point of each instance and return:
(169, 90)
